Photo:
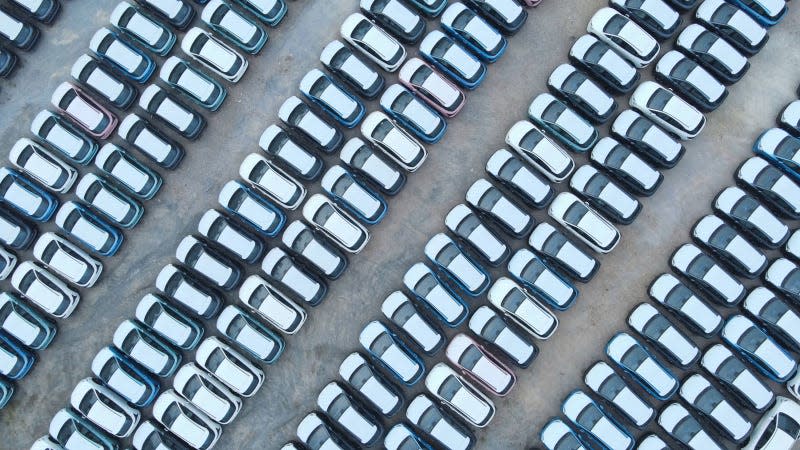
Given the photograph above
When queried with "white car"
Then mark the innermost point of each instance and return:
(678, 348)
(112, 203)
(44, 290)
(713, 52)
(778, 429)
(521, 180)
(275, 307)
(149, 434)
(679, 423)
(556, 249)
(555, 434)
(229, 366)
(236, 27)
(314, 431)
(693, 311)
(316, 250)
(532, 272)
(43, 166)
(792, 247)
(711, 404)
(376, 44)
(397, 18)
(444, 430)
(104, 408)
(626, 166)
(281, 267)
(583, 222)
(431, 86)
(759, 348)
(68, 428)
(400, 310)
(604, 63)
(146, 349)
(363, 160)
(690, 80)
(353, 419)
(492, 328)
(309, 124)
(185, 421)
(414, 114)
(169, 322)
(708, 275)
(457, 393)
(586, 415)
(508, 297)
(492, 202)
(790, 118)
(440, 298)
(300, 162)
(771, 184)
(147, 31)
(449, 257)
(656, 17)
(642, 366)
(358, 75)
(668, 110)
(540, 151)
(177, 12)
(184, 289)
(142, 181)
(172, 112)
(131, 61)
(208, 262)
(341, 105)
(741, 30)
(252, 208)
(401, 437)
(102, 81)
(272, 181)
(730, 247)
(740, 381)
(647, 138)
(56, 131)
(468, 227)
(46, 443)
(371, 384)
(751, 217)
(230, 235)
(84, 110)
(401, 147)
(335, 223)
(117, 372)
(67, 260)
(353, 195)
(774, 314)
(214, 54)
(606, 383)
(480, 365)
(384, 345)
(8, 261)
(582, 92)
(24, 323)
(624, 36)
(453, 59)
(563, 122)
(249, 334)
(206, 393)
(150, 141)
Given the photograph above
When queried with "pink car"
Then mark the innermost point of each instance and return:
(432, 87)
(480, 365)
(84, 110)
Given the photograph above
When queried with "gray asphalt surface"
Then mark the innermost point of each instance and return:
(312, 356)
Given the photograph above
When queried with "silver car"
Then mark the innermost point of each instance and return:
(424, 284)
(711, 404)
(249, 334)
(43, 166)
(775, 315)
(199, 87)
(521, 180)
(149, 433)
(383, 345)
(88, 229)
(231, 236)
(209, 263)
(740, 381)
(581, 92)
(777, 189)
(730, 247)
(491, 327)
(373, 42)
(479, 365)
(644, 136)
(360, 158)
(468, 227)
(214, 54)
(68, 428)
(492, 202)
(229, 366)
(371, 384)
(562, 253)
(713, 52)
(508, 297)
(460, 395)
(668, 110)
(600, 60)
(150, 141)
(752, 218)
(178, 12)
(314, 249)
(271, 304)
(306, 122)
(536, 276)
(206, 393)
(400, 310)
(707, 275)
(624, 36)
(475, 32)
(540, 151)
(656, 329)
(64, 137)
(556, 433)
(453, 59)
(336, 224)
(147, 31)
(627, 167)
(350, 416)
(583, 222)
(444, 430)
(398, 145)
(169, 322)
(691, 80)
(146, 349)
(186, 421)
(611, 387)
(104, 82)
(400, 437)
(281, 267)
(272, 180)
(104, 408)
(691, 309)
(449, 257)
(300, 162)
(776, 429)
(684, 428)
(67, 260)
(44, 290)
(431, 86)
(188, 292)
(132, 62)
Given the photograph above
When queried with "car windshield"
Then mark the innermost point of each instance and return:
(338, 407)
(611, 386)
(568, 442)
(700, 266)
(659, 99)
(575, 213)
(470, 357)
(192, 386)
(531, 139)
(448, 254)
(573, 82)
(634, 357)
(767, 178)
(615, 25)
(553, 112)
(514, 299)
(722, 236)
(730, 369)
(789, 426)
(723, 14)
(404, 312)
(510, 169)
(420, 75)
(744, 207)
(493, 328)
(773, 310)
(704, 42)
(381, 344)
(589, 416)
(468, 225)
(323, 214)
(425, 285)
(341, 185)
(686, 429)
(319, 437)
(709, 399)
(215, 359)
(450, 388)
(172, 413)
(236, 326)
(429, 419)
(682, 70)
(554, 243)
(361, 376)
(678, 296)
(656, 326)
(595, 185)
(751, 339)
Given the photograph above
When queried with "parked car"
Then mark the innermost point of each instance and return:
(657, 18)
(64, 137)
(332, 98)
(518, 178)
(148, 433)
(570, 128)
(779, 191)
(705, 273)
(271, 12)
(432, 87)
(44, 290)
(668, 110)
(109, 201)
(183, 288)
(583, 222)
(352, 418)
(730, 22)
(647, 139)
(693, 311)
(213, 266)
(438, 425)
(44, 11)
(206, 393)
(199, 87)
(67, 260)
(8, 260)
(479, 365)
(559, 251)
(491, 202)
(390, 138)
(229, 366)
(777, 427)
(540, 151)
(765, 12)
(250, 334)
(506, 15)
(430, 8)
(83, 110)
(91, 231)
(683, 5)
(169, 322)
(150, 141)
(509, 298)
(354, 196)
(8, 61)
(527, 268)
(468, 227)
(68, 428)
(401, 436)
(317, 251)
(395, 17)
(272, 305)
(712, 405)
(335, 223)
(105, 409)
(124, 377)
(377, 45)
(627, 167)
(656, 329)
(435, 294)
(100, 80)
(43, 166)
(459, 395)
(611, 388)
(784, 276)
(18, 32)
(605, 64)
(177, 12)
(790, 118)
(129, 60)
(144, 29)
(279, 266)
(293, 156)
(604, 195)
(315, 432)
(582, 411)
(781, 149)
(360, 76)
(682, 426)
(371, 384)
(775, 315)
(307, 123)
(576, 88)
(712, 52)
(635, 360)
(214, 54)
(236, 27)
(400, 310)
(383, 345)
(473, 31)
(167, 109)
(416, 116)
(186, 421)
(25, 324)
(365, 162)
(268, 178)
(452, 59)
(492, 328)
(751, 218)
(738, 380)
(128, 171)
(251, 207)
(451, 259)
(734, 251)
(690, 80)
(624, 36)
(555, 434)
(143, 347)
